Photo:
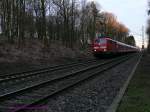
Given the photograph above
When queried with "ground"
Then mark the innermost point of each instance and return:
(33, 55)
(137, 96)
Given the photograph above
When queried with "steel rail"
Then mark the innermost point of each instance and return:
(39, 72)
(69, 74)
(45, 68)
(115, 61)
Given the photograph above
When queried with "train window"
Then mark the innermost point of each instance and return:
(102, 41)
(97, 41)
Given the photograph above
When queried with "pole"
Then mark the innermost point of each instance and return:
(142, 37)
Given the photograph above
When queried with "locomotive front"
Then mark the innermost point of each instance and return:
(100, 46)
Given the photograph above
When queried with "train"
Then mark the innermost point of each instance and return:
(107, 46)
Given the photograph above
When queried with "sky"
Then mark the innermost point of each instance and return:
(132, 13)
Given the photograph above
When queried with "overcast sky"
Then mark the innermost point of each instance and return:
(132, 13)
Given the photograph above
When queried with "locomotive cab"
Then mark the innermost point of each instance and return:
(100, 45)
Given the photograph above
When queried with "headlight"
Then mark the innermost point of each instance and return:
(105, 49)
(96, 47)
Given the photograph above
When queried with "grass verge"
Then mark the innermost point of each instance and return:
(137, 96)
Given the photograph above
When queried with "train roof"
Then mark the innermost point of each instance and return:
(120, 43)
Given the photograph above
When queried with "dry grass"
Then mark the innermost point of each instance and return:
(34, 51)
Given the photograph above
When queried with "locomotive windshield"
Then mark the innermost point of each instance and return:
(100, 41)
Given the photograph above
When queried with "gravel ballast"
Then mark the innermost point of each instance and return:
(93, 95)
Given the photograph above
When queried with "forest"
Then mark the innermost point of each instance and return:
(148, 28)
(72, 23)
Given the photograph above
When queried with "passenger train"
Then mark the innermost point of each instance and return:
(106, 45)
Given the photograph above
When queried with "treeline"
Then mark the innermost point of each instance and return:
(108, 25)
(148, 28)
(148, 33)
(69, 22)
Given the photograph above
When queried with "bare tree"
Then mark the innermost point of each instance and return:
(70, 22)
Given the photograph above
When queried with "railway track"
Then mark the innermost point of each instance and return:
(37, 93)
(45, 69)
(42, 66)
(10, 83)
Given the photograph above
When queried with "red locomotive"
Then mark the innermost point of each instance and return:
(106, 45)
